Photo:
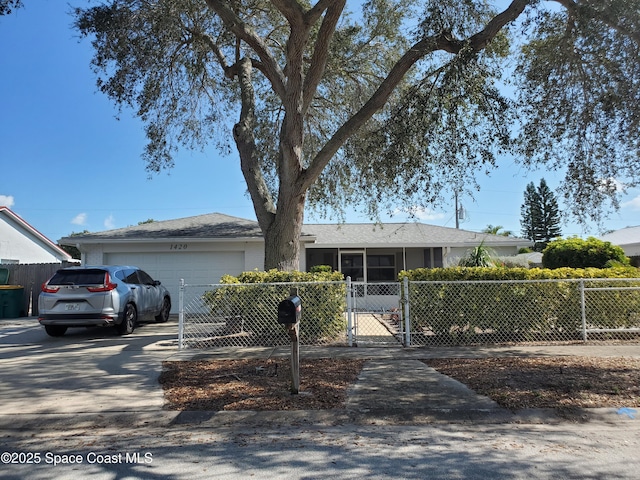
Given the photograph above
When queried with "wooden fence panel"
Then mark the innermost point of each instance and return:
(31, 277)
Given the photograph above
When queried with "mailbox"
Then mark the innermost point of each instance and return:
(289, 310)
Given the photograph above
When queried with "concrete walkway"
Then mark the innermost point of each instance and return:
(384, 389)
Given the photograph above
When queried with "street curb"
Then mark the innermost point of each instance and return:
(17, 425)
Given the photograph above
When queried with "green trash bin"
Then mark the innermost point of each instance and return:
(11, 301)
(4, 276)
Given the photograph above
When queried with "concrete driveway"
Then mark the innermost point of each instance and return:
(85, 371)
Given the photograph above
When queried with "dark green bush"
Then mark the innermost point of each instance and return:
(579, 253)
(479, 302)
(321, 269)
(254, 297)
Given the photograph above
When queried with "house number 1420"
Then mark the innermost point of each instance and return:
(178, 246)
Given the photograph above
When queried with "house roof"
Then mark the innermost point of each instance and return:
(217, 226)
(403, 234)
(209, 226)
(17, 222)
(624, 236)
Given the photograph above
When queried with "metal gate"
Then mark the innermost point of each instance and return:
(375, 314)
(610, 308)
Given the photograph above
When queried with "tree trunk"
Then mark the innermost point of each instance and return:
(282, 237)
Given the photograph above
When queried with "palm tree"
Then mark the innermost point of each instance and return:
(495, 230)
(480, 256)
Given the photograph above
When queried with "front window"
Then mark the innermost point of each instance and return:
(352, 265)
(381, 268)
(322, 256)
(433, 257)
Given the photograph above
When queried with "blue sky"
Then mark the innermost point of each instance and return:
(68, 164)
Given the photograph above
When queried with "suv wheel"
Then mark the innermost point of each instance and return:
(164, 312)
(129, 321)
(55, 330)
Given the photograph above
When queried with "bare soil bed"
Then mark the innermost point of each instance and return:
(549, 382)
(257, 384)
(515, 383)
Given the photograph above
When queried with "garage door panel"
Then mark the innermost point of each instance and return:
(193, 267)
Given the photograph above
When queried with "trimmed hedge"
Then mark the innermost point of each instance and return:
(254, 296)
(460, 303)
(491, 273)
(579, 253)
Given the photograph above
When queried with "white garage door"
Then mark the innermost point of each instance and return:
(194, 267)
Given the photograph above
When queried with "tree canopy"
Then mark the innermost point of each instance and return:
(71, 250)
(393, 105)
(497, 230)
(6, 6)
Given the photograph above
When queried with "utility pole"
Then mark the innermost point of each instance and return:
(459, 210)
(457, 220)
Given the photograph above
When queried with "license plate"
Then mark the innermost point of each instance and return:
(72, 306)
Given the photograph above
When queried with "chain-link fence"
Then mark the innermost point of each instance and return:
(610, 309)
(413, 313)
(485, 312)
(246, 314)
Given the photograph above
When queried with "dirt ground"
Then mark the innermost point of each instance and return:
(257, 384)
(514, 383)
(549, 382)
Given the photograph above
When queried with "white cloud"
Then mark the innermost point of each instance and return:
(633, 204)
(6, 201)
(611, 185)
(79, 219)
(110, 222)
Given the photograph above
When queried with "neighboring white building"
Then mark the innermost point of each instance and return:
(628, 239)
(21, 243)
(201, 249)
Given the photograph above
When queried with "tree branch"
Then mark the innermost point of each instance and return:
(573, 6)
(270, 67)
(322, 5)
(291, 10)
(229, 70)
(321, 49)
(444, 42)
(243, 134)
(481, 39)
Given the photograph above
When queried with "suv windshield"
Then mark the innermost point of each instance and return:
(78, 277)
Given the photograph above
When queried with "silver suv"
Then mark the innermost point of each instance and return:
(119, 296)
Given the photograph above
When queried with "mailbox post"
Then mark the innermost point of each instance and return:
(289, 313)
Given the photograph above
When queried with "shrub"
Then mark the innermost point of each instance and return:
(480, 256)
(254, 296)
(321, 269)
(578, 253)
(464, 302)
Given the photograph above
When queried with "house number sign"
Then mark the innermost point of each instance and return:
(178, 246)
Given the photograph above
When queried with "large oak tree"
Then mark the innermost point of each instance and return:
(7, 6)
(389, 106)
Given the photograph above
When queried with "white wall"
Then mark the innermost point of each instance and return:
(253, 256)
(96, 254)
(16, 244)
